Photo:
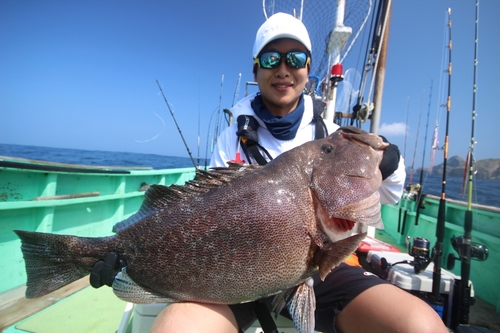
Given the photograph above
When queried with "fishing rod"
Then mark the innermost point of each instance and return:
(178, 129)
(425, 137)
(466, 249)
(421, 181)
(217, 121)
(370, 56)
(435, 297)
(416, 141)
(227, 112)
(406, 127)
(465, 257)
(199, 119)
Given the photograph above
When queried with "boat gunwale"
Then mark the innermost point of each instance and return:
(475, 206)
(23, 164)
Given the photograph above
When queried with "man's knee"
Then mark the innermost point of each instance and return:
(195, 317)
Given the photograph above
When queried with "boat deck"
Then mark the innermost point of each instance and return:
(79, 308)
(76, 308)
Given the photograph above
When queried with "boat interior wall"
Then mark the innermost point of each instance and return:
(400, 222)
(24, 185)
(117, 198)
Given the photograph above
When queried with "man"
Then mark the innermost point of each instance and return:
(350, 299)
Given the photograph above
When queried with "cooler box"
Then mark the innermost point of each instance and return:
(371, 244)
(403, 275)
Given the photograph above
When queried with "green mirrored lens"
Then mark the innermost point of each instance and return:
(296, 59)
(270, 60)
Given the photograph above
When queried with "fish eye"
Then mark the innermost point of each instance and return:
(327, 149)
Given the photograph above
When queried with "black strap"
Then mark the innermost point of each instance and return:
(320, 131)
(247, 132)
(253, 150)
(265, 319)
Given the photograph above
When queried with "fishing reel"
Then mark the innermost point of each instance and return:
(419, 250)
(412, 192)
(478, 251)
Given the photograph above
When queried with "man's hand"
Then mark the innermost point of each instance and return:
(390, 160)
(104, 272)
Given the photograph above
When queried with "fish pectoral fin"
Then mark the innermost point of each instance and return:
(301, 306)
(126, 289)
(331, 254)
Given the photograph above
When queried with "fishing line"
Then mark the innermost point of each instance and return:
(157, 135)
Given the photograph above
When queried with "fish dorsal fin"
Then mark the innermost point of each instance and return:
(331, 254)
(159, 196)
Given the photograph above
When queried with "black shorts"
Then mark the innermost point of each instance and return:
(341, 286)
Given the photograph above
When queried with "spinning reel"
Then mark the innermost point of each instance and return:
(419, 250)
(477, 251)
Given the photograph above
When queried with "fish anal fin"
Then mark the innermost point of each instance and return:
(126, 289)
(331, 254)
(301, 306)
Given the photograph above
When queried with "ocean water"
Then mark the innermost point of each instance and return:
(97, 157)
(485, 192)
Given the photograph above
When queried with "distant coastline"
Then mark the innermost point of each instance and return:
(485, 169)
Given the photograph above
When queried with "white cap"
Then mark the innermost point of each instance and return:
(280, 25)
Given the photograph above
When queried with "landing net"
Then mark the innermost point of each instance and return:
(321, 17)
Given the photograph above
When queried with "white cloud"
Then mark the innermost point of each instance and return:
(391, 130)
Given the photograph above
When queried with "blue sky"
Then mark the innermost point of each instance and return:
(82, 74)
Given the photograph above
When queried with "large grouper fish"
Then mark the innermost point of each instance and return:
(233, 234)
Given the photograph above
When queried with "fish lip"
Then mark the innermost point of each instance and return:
(369, 214)
(369, 139)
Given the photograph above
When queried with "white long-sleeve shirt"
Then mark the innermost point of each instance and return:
(227, 145)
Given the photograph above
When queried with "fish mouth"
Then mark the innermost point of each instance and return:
(342, 220)
(343, 224)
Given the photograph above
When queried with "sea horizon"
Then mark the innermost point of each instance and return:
(431, 184)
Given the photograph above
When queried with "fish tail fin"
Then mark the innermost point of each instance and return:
(53, 261)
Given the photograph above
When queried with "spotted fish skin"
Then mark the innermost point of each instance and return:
(232, 234)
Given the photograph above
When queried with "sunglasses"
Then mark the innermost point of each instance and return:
(294, 59)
